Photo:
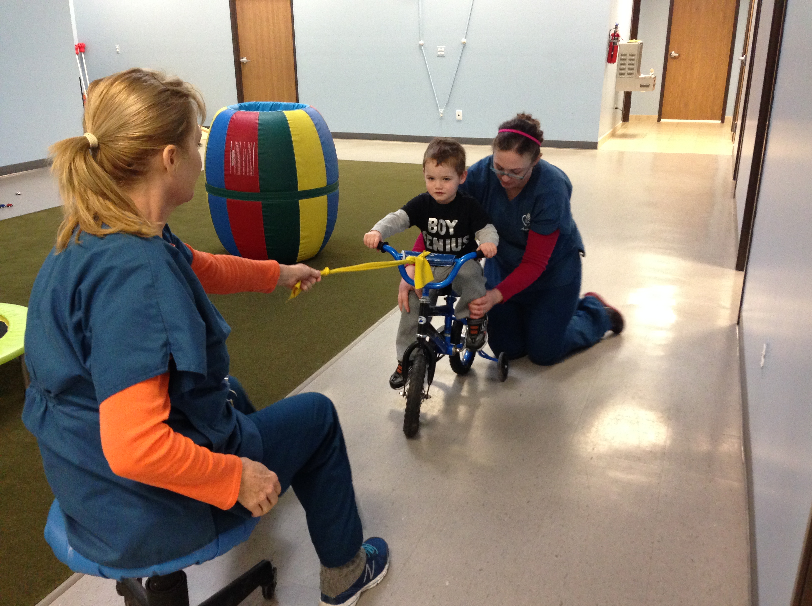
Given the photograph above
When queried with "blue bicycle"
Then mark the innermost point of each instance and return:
(431, 344)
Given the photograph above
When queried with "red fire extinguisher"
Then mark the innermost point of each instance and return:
(614, 39)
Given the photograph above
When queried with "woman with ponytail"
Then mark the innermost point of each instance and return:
(150, 446)
(533, 301)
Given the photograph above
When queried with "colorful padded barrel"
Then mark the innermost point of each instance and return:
(272, 180)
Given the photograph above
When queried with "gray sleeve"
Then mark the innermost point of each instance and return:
(393, 223)
(488, 234)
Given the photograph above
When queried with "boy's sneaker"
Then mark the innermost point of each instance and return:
(376, 567)
(477, 332)
(396, 380)
(615, 317)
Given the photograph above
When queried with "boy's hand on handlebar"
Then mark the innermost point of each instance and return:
(488, 249)
(259, 487)
(372, 239)
(290, 275)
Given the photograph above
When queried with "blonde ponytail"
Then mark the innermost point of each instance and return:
(129, 117)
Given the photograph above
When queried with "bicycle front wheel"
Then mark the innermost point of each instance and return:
(415, 389)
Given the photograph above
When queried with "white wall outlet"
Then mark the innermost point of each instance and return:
(441, 51)
(459, 114)
(118, 49)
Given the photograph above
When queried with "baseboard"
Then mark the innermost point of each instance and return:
(748, 467)
(554, 143)
(608, 135)
(24, 166)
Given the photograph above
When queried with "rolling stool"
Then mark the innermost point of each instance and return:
(166, 583)
(12, 335)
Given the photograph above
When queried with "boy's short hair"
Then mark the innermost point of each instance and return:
(443, 150)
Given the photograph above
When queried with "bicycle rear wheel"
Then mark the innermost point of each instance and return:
(415, 389)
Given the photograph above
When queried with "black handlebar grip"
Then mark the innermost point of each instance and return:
(380, 245)
(480, 254)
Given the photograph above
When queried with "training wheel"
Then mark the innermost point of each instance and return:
(502, 364)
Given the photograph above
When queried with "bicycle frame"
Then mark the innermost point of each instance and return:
(436, 344)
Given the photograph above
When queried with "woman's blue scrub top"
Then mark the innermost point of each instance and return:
(105, 315)
(543, 206)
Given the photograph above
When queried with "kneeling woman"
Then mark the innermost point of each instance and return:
(149, 445)
(534, 281)
(533, 299)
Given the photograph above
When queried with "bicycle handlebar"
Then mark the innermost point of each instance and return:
(434, 259)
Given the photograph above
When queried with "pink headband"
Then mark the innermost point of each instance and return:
(530, 137)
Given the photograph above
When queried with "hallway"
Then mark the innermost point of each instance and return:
(615, 477)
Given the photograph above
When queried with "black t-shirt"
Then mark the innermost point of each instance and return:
(447, 228)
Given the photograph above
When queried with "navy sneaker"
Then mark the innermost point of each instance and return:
(615, 317)
(376, 567)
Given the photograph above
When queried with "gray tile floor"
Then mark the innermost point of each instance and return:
(615, 477)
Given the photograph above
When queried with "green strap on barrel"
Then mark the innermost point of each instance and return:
(272, 196)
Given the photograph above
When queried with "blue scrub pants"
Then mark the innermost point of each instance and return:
(547, 325)
(304, 446)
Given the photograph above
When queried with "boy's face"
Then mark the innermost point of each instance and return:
(442, 181)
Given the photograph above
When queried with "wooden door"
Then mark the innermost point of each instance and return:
(697, 59)
(265, 49)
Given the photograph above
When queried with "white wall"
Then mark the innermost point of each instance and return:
(188, 38)
(776, 312)
(620, 12)
(360, 64)
(652, 29)
(40, 99)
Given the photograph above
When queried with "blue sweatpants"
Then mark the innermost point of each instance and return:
(547, 325)
(304, 446)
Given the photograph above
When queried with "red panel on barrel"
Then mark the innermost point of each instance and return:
(245, 217)
(241, 161)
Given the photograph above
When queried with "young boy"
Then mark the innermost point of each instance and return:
(451, 222)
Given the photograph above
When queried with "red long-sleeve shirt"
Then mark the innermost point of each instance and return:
(534, 261)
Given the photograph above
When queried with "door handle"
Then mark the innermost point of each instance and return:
(244, 60)
(673, 55)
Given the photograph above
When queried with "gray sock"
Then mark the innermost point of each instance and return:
(335, 580)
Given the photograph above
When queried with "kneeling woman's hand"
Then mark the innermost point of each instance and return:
(479, 307)
(259, 487)
(290, 275)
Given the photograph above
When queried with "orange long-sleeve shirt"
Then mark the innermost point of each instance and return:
(223, 274)
(137, 441)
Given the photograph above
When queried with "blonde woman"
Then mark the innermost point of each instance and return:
(149, 445)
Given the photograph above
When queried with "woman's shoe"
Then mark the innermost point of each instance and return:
(376, 567)
(615, 317)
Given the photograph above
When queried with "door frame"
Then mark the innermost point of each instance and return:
(627, 95)
(729, 61)
(740, 86)
(235, 45)
(762, 128)
(742, 120)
